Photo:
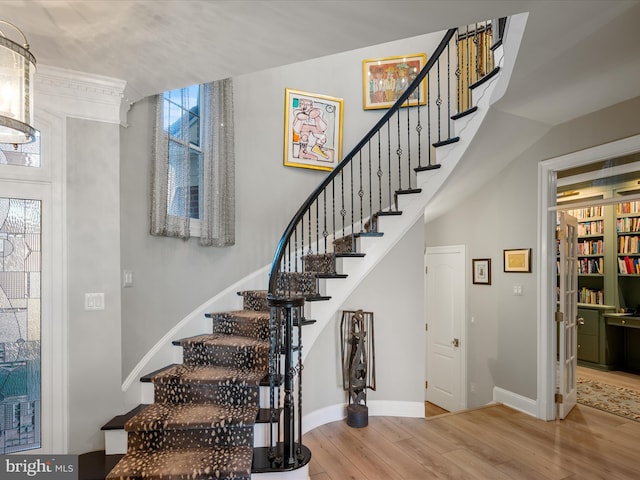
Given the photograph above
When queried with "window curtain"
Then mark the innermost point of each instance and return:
(217, 217)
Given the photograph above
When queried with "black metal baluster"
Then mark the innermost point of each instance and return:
(399, 150)
(300, 315)
(370, 183)
(361, 190)
(419, 129)
(343, 211)
(389, 161)
(333, 207)
(325, 233)
(468, 68)
(310, 251)
(409, 145)
(439, 103)
(476, 41)
(379, 173)
(353, 237)
(429, 118)
(272, 381)
(449, 89)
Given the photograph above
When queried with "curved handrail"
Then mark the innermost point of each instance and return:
(298, 217)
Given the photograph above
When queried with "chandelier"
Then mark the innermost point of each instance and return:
(17, 69)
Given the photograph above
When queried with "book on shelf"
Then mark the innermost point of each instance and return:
(625, 208)
(628, 225)
(587, 212)
(628, 244)
(629, 266)
(586, 295)
(590, 266)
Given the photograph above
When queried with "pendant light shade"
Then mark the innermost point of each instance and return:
(17, 71)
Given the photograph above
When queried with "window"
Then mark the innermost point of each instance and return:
(193, 164)
(182, 123)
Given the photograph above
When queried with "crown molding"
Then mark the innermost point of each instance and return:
(81, 95)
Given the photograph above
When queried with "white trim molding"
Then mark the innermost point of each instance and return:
(515, 401)
(81, 95)
(377, 408)
(547, 191)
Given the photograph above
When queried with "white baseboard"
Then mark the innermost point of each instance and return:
(377, 408)
(515, 401)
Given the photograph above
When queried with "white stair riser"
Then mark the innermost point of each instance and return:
(299, 474)
(115, 442)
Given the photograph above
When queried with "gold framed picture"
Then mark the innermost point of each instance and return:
(517, 260)
(385, 79)
(312, 130)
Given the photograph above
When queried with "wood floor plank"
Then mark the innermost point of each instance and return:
(475, 466)
(330, 460)
(358, 452)
(406, 466)
(489, 443)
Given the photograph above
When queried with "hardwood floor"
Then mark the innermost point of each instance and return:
(494, 443)
(615, 378)
(431, 410)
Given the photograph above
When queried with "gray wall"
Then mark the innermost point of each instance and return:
(93, 221)
(394, 292)
(172, 277)
(501, 215)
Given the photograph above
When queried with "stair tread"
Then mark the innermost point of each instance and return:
(240, 314)
(227, 341)
(209, 374)
(186, 464)
(117, 422)
(185, 416)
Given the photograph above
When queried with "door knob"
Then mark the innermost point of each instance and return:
(581, 321)
(455, 342)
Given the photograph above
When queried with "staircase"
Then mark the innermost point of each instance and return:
(233, 408)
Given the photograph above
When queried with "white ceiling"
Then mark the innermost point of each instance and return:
(570, 50)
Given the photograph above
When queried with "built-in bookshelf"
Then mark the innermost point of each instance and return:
(628, 231)
(591, 248)
(591, 254)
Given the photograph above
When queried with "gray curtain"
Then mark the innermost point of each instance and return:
(217, 218)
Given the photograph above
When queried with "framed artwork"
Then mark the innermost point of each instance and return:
(481, 271)
(385, 79)
(518, 260)
(312, 130)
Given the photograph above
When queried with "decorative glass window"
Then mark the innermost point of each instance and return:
(19, 324)
(183, 125)
(22, 155)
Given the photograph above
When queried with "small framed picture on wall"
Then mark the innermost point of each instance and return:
(481, 271)
(517, 260)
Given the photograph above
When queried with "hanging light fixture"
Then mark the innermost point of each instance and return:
(17, 69)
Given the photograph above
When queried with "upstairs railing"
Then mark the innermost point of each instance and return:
(364, 186)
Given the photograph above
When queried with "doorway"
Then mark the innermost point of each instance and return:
(446, 327)
(548, 185)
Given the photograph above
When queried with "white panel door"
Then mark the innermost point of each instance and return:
(568, 310)
(446, 312)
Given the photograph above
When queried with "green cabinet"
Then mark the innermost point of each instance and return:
(596, 347)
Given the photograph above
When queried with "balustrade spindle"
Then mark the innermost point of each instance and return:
(449, 90)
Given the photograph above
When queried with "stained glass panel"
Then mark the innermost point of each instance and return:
(19, 324)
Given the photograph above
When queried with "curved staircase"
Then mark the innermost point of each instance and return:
(229, 410)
